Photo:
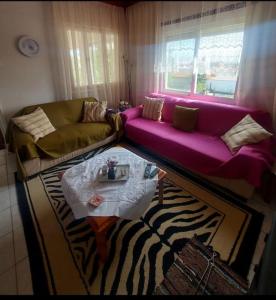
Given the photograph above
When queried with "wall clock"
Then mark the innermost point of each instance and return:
(28, 46)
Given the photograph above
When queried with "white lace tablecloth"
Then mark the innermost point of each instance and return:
(125, 199)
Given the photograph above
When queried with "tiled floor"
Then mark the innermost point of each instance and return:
(15, 277)
(258, 204)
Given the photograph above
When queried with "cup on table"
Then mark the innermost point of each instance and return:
(104, 170)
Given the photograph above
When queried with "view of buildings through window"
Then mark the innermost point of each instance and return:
(208, 65)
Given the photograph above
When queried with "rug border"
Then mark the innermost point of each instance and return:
(65, 237)
(38, 272)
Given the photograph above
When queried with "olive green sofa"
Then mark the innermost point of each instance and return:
(71, 138)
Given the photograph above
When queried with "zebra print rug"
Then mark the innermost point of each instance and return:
(62, 250)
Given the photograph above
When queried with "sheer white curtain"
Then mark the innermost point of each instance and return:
(257, 77)
(141, 18)
(187, 48)
(90, 42)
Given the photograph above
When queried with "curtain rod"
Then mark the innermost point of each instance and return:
(210, 12)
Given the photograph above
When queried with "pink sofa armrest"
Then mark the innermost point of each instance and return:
(131, 113)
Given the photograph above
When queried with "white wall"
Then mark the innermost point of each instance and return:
(24, 80)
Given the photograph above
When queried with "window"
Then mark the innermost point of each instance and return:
(206, 65)
(110, 48)
(92, 57)
(77, 57)
(180, 64)
(218, 64)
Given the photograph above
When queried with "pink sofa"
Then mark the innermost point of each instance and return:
(202, 150)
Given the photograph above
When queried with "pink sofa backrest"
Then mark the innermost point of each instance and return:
(213, 118)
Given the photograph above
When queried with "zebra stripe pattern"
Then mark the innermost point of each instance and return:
(140, 251)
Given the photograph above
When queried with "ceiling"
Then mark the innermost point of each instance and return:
(121, 3)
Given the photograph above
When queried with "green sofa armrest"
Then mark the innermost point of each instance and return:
(23, 143)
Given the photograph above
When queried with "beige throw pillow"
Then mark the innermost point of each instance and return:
(94, 111)
(247, 131)
(36, 123)
(153, 108)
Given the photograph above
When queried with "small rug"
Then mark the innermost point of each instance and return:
(198, 270)
(62, 250)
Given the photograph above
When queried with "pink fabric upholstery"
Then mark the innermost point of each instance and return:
(185, 148)
(214, 118)
(131, 113)
(202, 150)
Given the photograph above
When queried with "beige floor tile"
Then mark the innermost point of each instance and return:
(5, 222)
(251, 274)
(259, 249)
(258, 205)
(12, 189)
(4, 198)
(6, 252)
(259, 201)
(258, 253)
(13, 196)
(20, 247)
(16, 218)
(3, 176)
(267, 224)
(8, 282)
(11, 179)
(11, 163)
(261, 238)
(24, 281)
(257, 256)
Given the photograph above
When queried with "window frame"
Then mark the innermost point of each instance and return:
(197, 35)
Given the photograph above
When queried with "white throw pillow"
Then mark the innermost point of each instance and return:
(153, 108)
(36, 123)
(247, 131)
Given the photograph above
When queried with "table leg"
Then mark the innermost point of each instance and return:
(161, 191)
(100, 226)
(101, 245)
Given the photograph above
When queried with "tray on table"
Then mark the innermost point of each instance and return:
(118, 176)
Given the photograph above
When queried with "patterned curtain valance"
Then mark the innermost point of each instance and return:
(210, 12)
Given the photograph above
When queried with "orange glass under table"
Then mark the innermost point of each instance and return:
(100, 225)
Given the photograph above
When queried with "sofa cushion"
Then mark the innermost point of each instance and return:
(72, 137)
(196, 150)
(185, 118)
(247, 131)
(94, 111)
(216, 118)
(152, 108)
(36, 124)
(168, 109)
(61, 113)
(213, 118)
